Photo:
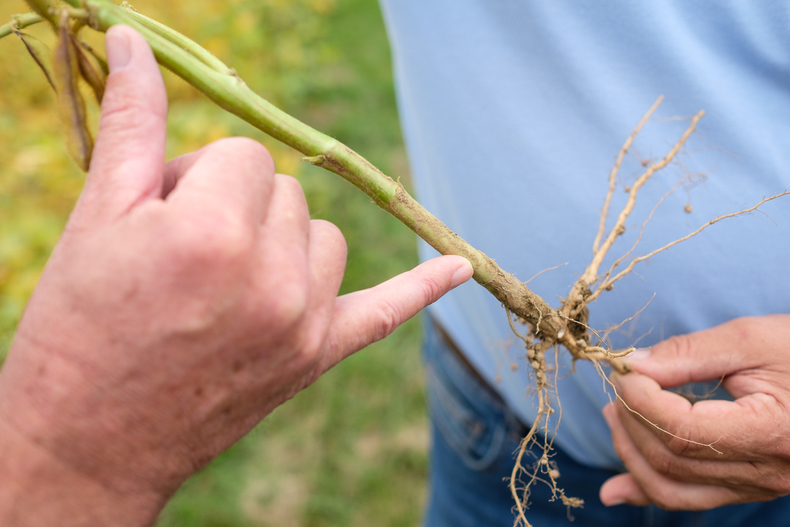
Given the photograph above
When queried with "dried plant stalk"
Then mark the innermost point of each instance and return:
(71, 103)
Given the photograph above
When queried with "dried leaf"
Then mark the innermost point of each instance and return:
(91, 68)
(101, 60)
(41, 55)
(71, 104)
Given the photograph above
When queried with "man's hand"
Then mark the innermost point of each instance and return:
(670, 464)
(184, 302)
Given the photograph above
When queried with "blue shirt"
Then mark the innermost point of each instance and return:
(513, 112)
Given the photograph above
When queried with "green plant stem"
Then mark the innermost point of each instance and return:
(42, 8)
(190, 46)
(228, 91)
(19, 22)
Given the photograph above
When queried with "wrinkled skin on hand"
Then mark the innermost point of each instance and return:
(184, 302)
(679, 471)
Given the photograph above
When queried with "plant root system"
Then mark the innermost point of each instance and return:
(575, 335)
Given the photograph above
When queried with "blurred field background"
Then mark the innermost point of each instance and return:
(351, 450)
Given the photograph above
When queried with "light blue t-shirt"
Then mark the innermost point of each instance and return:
(513, 112)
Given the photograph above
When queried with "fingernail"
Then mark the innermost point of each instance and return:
(638, 355)
(119, 49)
(463, 274)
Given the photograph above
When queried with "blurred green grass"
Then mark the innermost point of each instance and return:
(350, 450)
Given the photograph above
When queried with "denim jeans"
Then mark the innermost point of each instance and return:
(475, 439)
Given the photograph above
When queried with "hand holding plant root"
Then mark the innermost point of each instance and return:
(661, 436)
(547, 328)
(579, 337)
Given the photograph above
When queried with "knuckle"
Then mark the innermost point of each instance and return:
(664, 497)
(329, 233)
(290, 306)
(662, 462)
(619, 449)
(743, 329)
(313, 341)
(291, 182)
(683, 439)
(122, 110)
(432, 290)
(220, 238)
(233, 236)
(387, 321)
(679, 444)
(778, 483)
(666, 503)
(678, 345)
(244, 150)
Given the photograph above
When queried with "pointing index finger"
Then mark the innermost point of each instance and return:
(364, 317)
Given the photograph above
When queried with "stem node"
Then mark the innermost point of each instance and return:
(318, 160)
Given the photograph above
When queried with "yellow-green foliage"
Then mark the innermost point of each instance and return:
(38, 182)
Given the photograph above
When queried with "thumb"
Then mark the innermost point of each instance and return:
(128, 160)
(696, 357)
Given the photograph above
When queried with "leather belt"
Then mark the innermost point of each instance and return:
(516, 428)
(459, 355)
